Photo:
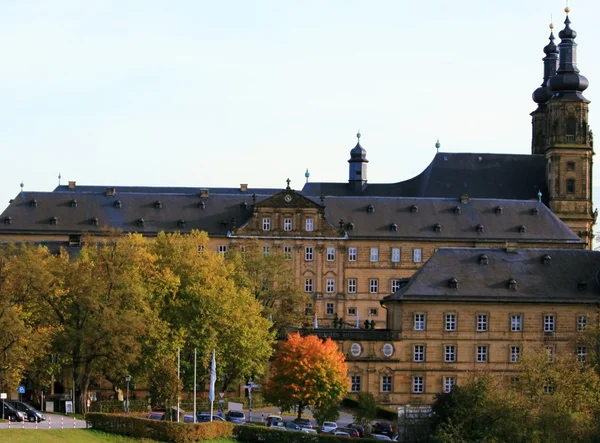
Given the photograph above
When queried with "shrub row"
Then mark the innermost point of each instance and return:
(383, 412)
(158, 429)
(110, 406)
(252, 434)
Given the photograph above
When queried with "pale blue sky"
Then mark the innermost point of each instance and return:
(218, 93)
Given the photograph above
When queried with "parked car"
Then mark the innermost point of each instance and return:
(31, 413)
(381, 437)
(359, 428)
(237, 417)
(350, 431)
(328, 426)
(383, 428)
(341, 434)
(277, 425)
(309, 430)
(272, 418)
(10, 413)
(291, 426)
(156, 416)
(303, 422)
(203, 418)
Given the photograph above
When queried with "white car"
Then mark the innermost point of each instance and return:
(381, 437)
(308, 431)
(343, 434)
(328, 426)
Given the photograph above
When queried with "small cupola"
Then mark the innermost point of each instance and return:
(357, 176)
(483, 259)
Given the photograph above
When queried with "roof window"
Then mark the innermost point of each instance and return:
(141, 222)
(457, 210)
(370, 208)
(546, 259)
(110, 192)
(350, 226)
(202, 205)
(535, 211)
(8, 220)
(94, 221)
(181, 223)
(158, 204)
(437, 227)
(414, 208)
(483, 259)
(394, 227)
(498, 210)
(54, 220)
(244, 205)
(73, 203)
(33, 203)
(224, 223)
(522, 229)
(512, 284)
(479, 229)
(582, 285)
(118, 204)
(453, 283)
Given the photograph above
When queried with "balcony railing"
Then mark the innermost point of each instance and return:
(351, 334)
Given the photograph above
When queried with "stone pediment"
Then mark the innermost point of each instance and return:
(288, 198)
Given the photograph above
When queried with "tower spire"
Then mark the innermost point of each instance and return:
(542, 94)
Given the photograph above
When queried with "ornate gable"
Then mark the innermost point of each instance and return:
(288, 198)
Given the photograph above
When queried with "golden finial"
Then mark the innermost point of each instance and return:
(567, 9)
(551, 26)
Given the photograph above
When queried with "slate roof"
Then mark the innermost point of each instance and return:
(510, 176)
(568, 276)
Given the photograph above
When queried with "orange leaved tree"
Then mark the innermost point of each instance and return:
(307, 372)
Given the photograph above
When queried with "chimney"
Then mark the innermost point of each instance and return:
(203, 193)
(244, 187)
(72, 185)
(110, 192)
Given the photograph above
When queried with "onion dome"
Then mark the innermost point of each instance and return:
(542, 94)
(358, 153)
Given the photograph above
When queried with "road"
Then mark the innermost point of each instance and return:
(52, 422)
(258, 414)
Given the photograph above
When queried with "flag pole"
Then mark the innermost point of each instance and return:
(194, 385)
(178, 379)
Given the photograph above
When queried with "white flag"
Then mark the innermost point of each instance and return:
(213, 377)
(357, 320)
(316, 322)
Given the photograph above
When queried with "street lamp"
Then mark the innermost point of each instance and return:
(127, 379)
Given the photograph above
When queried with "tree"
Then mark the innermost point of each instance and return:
(307, 372)
(366, 409)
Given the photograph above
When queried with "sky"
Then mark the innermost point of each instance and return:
(217, 93)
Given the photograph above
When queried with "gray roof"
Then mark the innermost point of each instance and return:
(568, 276)
(510, 176)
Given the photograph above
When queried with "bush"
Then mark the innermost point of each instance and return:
(251, 434)
(158, 429)
(116, 406)
(383, 412)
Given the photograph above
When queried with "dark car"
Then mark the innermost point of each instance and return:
(303, 422)
(237, 417)
(203, 418)
(10, 413)
(359, 428)
(291, 426)
(350, 431)
(156, 416)
(383, 428)
(30, 412)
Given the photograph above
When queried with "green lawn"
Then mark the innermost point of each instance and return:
(74, 436)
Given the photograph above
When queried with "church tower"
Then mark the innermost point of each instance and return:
(357, 177)
(569, 148)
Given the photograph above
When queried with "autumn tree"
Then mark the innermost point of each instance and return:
(307, 373)
(366, 408)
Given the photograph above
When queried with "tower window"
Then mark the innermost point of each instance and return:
(570, 166)
(571, 126)
(570, 186)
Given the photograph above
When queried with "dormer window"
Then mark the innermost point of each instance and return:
(244, 205)
(33, 203)
(54, 221)
(453, 283)
(394, 227)
(181, 223)
(522, 229)
(479, 229)
(457, 210)
(512, 284)
(546, 259)
(498, 210)
(202, 205)
(118, 204)
(158, 204)
(73, 203)
(370, 208)
(141, 222)
(414, 208)
(437, 227)
(582, 285)
(8, 221)
(350, 226)
(535, 211)
(483, 259)
(94, 221)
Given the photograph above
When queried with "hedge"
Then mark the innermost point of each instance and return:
(382, 413)
(157, 429)
(252, 434)
(110, 406)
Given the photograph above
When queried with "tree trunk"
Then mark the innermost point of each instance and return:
(300, 410)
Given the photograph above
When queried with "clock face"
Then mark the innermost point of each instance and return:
(288, 198)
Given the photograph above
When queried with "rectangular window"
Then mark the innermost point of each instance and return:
(351, 285)
(330, 254)
(265, 250)
(395, 255)
(549, 323)
(419, 322)
(581, 353)
(373, 286)
(374, 254)
(548, 389)
(386, 383)
(287, 252)
(308, 285)
(515, 352)
(266, 224)
(419, 353)
(372, 311)
(450, 322)
(352, 254)
(570, 166)
(482, 322)
(310, 225)
(395, 285)
(417, 255)
(355, 383)
(570, 186)
(581, 323)
(329, 309)
(308, 309)
(450, 353)
(287, 224)
(330, 285)
(351, 311)
(201, 249)
(482, 354)
(418, 384)
(308, 253)
(222, 249)
(516, 323)
(449, 383)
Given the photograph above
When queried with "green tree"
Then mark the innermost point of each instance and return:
(366, 409)
(326, 412)
(307, 372)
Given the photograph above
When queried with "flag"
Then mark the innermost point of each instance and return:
(213, 377)
(316, 322)
(357, 320)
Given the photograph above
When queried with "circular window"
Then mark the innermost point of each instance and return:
(355, 349)
(388, 350)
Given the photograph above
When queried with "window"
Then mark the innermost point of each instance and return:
(449, 382)
(395, 255)
(355, 383)
(222, 249)
(482, 322)
(450, 322)
(419, 353)
(287, 224)
(548, 389)
(372, 311)
(374, 254)
(373, 286)
(570, 186)
(351, 254)
(265, 250)
(450, 353)
(516, 323)
(581, 323)
(386, 383)
(482, 354)
(395, 285)
(417, 255)
(418, 385)
(570, 166)
(330, 285)
(330, 254)
(308, 309)
(581, 352)
(287, 252)
(419, 322)
(515, 352)
(550, 353)
(308, 285)
(351, 285)
(329, 309)
(549, 324)
(266, 224)
(308, 253)
(351, 311)
(310, 224)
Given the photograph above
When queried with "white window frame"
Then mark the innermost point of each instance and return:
(550, 354)
(287, 252)
(449, 383)
(395, 285)
(352, 284)
(222, 249)
(308, 309)
(516, 322)
(482, 322)
(386, 383)
(374, 255)
(355, 383)
(481, 354)
(329, 309)
(549, 323)
(330, 254)
(581, 352)
(373, 286)
(419, 321)
(266, 224)
(395, 255)
(418, 353)
(515, 353)
(373, 311)
(449, 353)
(287, 224)
(309, 253)
(330, 285)
(310, 225)
(417, 255)
(308, 285)
(266, 250)
(352, 254)
(418, 384)
(450, 321)
(581, 323)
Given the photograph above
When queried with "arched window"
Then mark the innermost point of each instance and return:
(571, 126)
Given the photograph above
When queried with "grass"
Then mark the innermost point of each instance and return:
(74, 436)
